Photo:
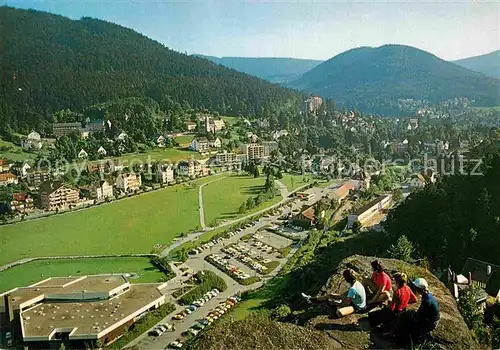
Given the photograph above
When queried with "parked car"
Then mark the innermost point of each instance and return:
(179, 316)
(176, 344)
(155, 333)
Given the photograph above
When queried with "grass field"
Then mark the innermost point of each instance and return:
(295, 181)
(14, 152)
(222, 199)
(132, 225)
(184, 140)
(230, 120)
(27, 274)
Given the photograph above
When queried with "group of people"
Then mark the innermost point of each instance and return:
(391, 318)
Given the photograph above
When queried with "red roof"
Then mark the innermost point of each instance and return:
(20, 197)
(7, 176)
(309, 213)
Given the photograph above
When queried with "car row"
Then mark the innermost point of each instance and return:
(222, 264)
(196, 304)
(252, 262)
(160, 329)
(212, 316)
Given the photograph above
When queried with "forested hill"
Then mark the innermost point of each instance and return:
(374, 79)
(49, 62)
(274, 69)
(488, 64)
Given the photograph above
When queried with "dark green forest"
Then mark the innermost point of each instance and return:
(456, 218)
(380, 79)
(50, 63)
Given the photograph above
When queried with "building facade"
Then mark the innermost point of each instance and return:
(101, 190)
(367, 212)
(166, 174)
(55, 195)
(254, 151)
(65, 129)
(128, 182)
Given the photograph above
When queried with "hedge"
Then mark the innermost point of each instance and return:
(208, 281)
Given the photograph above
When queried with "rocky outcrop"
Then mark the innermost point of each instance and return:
(262, 333)
(354, 332)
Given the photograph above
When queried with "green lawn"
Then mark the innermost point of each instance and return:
(27, 274)
(184, 139)
(246, 307)
(132, 225)
(14, 152)
(230, 120)
(222, 199)
(295, 181)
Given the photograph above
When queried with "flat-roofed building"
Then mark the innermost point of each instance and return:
(36, 177)
(79, 309)
(269, 146)
(64, 129)
(253, 151)
(369, 211)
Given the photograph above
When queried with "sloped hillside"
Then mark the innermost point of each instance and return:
(374, 79)
(254, 333)
(274, 69)
(488, 64)
(50, 62)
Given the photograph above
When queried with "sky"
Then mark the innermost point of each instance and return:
(301, 29)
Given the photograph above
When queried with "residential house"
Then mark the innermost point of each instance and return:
(165, 174)
(82, 154)
(269, 146)
(21, 203)
(312, 104)
(56, 195)
(101, 151)
(159, 140)
(84, 133)
(253, 151)
(200, 144)
(279, 133)
(476, 272)
(8, 179)
(370, 212)
(128, 182)
(215, 143)
(37, 177)
(413, 124)
(191, 126)
(190, 168)
(484, 274)
(417, 181)
(341, 192)
(21, 169)
(101, 189)
(225, 158)
(4, 166)
(121, 136)
(398, 147)
(65, 129)
(442, 147)
(96, 126)
(114, 165)
(96, 167)
(213, 125)
(364, 177)
(306, 218)
(32, 142)
(463, 144)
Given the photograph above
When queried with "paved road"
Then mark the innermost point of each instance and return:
(198, 263)
(195, 235)
(200, 202)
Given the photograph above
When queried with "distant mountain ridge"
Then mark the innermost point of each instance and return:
(274, 69)
(488, 64)
(374, 79)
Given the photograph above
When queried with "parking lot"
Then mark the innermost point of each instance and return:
(259, 249)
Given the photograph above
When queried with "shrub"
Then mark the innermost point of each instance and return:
(208, 281)
(281, 311)
(472, 314)
(403, 250)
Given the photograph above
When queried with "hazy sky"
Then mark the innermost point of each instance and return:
(306, 29)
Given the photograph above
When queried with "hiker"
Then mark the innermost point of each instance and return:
(417, 326)
(380, 284)
(354, 301)
(387, 316)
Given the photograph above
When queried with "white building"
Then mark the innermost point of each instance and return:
(128, 182)
(101, 151)
(215, 143)
(200, 144)
(82, 154)
(32, 142)
(165, 174)
(101, 190)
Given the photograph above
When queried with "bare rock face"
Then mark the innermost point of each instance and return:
(353, 331)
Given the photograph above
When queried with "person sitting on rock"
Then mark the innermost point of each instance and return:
(354, 301)
(402, 297)
(380, 284)
(417, 326)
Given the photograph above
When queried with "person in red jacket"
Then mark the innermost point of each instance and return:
(403, 296)
(381, 283)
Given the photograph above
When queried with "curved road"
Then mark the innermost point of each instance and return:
(200, 202)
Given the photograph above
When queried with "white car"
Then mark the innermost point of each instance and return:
(176, 344)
